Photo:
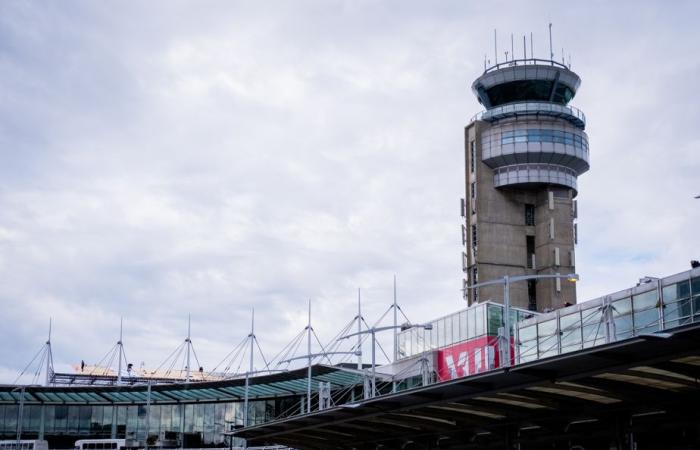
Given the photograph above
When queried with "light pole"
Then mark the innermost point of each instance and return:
(373, 331)
(506, 281)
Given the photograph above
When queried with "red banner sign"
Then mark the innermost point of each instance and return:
(467, 358)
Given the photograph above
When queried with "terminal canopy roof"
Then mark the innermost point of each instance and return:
(646, 383)
(284, 384)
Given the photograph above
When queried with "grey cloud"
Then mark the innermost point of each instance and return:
(162, 159)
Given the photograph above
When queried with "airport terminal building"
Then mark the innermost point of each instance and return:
(464, 347)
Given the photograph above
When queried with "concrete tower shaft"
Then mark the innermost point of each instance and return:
(523, 156)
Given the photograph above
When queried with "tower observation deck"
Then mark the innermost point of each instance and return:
(523, 156)
(535, 138)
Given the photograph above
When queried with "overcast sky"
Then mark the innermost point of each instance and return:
(164, 158)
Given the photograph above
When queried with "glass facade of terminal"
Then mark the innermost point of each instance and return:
(654, 305)
(477, 321)
(200, 424)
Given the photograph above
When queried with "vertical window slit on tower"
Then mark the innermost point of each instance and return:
(475, 240)
(472, 156)
(530, 243)
(532, 295)
(530, 215)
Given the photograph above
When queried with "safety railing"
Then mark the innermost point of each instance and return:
(524, 62)
(654, 305)
(569, 113)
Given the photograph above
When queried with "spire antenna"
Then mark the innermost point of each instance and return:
(495, 47)
(551, 52)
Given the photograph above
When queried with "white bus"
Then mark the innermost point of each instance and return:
(100, 444)
(24, 444)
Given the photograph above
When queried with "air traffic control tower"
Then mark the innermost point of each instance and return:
(523, 156)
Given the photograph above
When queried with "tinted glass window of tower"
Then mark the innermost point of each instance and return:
(542, 135)
(472, 156)
(530, 215)
(532, 295)
(530, 243)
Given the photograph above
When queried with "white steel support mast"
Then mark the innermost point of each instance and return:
(251, 337)
(359, 330)
(49, 357)
(308, 352)
(121, 351)
(396, 331)
(189, 345)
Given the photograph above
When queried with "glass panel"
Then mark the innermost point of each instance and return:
(622, 307)
(189, 418)
(695, 290)
(593, 334)
(72, 420)
(48, 419)
(695, 286)
(107, 417)
(84, 415)
(448, 331)
(463, 333)
(547, 342)
(623, 326)
(209, 420)
(131, 421)
(402, 345)
(646, 321)
(456, 337)
(646, 300)
(623, 318)
(11, 412)
(415, 341)
(570, 332)
(480, 321)
(495, 319)
(141, 421)
(166, 418)
(199, 418)
(471, 323)
(676, 291)
(121, 422)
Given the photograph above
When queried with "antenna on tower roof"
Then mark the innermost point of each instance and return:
(512, 47)
(495, 47)
(524, 48)
(551, 52)
(532, 48)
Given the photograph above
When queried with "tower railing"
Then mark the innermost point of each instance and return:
(523, 62)
(567, 112)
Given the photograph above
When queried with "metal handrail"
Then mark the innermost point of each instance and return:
(553, 107)
(523, 62)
